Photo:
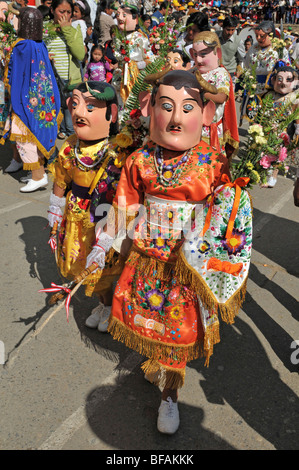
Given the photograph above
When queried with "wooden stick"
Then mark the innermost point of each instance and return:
(61, 294)
(57, 309)
(78, 279)
(53, 233)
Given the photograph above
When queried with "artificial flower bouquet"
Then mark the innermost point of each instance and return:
(163, 39)
(268, 144)
(8, 36)
(134, 132)
(280, 44)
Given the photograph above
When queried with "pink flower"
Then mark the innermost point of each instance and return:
(283, 153)
(266, 161)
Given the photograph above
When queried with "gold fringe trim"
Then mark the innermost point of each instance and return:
(148, 264)
(228, 139)
(33, 166)
(153, 349)
(114, 265)
(7, 60)
(164, 376)
(223, 90)
(187, 275)
(212, 337)
(29, 137)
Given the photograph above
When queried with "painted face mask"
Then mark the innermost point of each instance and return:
(125, 20)
(263, 39)
(176, 118)
(175, 60)
(205, 58)
(89, 116)
(3, 10)
(284, 83)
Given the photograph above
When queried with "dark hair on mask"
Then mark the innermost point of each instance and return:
(101, 86)
(183, 55)
(285, 68)
(178, 79)
(134, 11)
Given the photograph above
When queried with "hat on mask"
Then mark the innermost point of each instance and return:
(132, 4)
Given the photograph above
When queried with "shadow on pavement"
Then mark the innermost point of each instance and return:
(128, 420)
(241, 375)
(282, 249)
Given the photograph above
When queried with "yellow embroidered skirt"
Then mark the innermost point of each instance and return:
(75, 241)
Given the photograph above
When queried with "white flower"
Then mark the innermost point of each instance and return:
(256, 129)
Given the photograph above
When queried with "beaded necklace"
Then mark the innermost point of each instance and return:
(169, 174)
(84, 166)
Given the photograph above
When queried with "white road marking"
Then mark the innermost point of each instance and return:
(76, 420)
(13, 207)
(272, 211)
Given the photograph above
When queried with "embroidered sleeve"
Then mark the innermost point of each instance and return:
(222, 81)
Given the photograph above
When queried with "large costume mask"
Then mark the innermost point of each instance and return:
(176, 111)
(125, 19)
(206, 51)
(93, 110)
(263, 39)
(3, 10)
(285, 80)
(176, 62)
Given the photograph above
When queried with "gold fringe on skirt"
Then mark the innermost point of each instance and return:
(156, 352)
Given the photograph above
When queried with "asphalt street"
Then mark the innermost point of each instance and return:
(72, 388)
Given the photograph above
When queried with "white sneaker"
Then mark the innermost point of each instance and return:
(14, 166)
(168, 419)
(272, 182)
(94, 319)
(103, 324)
(25, 179)
(34, 185)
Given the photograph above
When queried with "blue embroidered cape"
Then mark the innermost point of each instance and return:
(34, 93)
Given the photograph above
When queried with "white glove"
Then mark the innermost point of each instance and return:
(296, 129)
(141, 64)
(98, 253)
(56, 209)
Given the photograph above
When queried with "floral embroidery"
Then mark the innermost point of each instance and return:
(41, 101)
(159, 303)
(202, 158)
(235, 243)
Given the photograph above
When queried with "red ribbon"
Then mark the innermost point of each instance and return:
(56, 288)
(53, 244)
(237, 184)
(214, 139)
(225, 266)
